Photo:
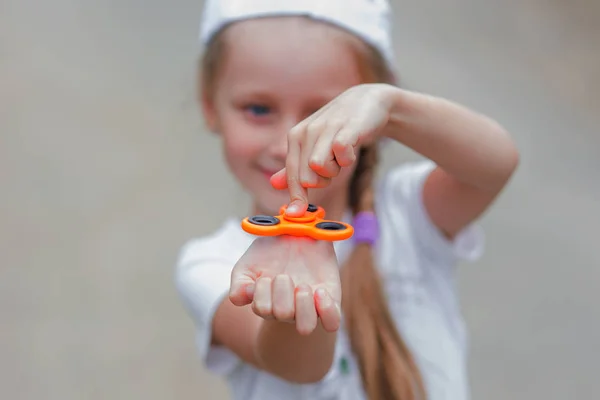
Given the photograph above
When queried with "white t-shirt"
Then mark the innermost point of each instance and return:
(417, 264)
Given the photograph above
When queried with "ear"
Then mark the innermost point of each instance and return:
(209, 112)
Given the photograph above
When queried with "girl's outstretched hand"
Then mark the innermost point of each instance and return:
(328, 140)
(291, 279)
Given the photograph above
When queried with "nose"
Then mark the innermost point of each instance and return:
(279, 145)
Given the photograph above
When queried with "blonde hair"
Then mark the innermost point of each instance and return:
(387, 367)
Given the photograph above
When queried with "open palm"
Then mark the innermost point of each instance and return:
(290, 279)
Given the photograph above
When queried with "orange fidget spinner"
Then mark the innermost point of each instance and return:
(312, 224)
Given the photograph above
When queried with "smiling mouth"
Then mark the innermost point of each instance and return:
(268, 172)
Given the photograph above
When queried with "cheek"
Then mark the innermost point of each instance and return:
(241, 145)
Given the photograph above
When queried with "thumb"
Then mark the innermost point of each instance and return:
(279, 180)
(241, 291)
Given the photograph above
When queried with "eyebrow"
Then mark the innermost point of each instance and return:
(259, 92)
(255, 93)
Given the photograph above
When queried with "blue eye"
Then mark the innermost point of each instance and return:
(258, 110)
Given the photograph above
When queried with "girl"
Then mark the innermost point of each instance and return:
(302, 93)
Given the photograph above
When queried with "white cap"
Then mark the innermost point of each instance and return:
(368, 19)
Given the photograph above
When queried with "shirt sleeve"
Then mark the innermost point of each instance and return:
(403, 187)
(203, 281)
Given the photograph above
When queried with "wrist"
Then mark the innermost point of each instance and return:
(398, 99)
(395, 101)
(407, 113)
(282, 351)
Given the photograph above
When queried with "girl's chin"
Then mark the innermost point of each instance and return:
(272, 205)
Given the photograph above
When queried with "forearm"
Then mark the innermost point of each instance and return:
(281, 350)
(469, 146)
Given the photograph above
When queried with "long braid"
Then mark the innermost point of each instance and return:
(387, 368)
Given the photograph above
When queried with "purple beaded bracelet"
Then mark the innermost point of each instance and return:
(366, 228)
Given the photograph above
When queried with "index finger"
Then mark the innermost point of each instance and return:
(241, 291)
(298, 193)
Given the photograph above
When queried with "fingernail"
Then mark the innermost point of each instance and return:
(250, 290)
(293, 208)
(309, 180)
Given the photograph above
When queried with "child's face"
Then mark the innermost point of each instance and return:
(276, 72)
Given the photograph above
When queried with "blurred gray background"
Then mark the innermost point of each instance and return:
(106, 169)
